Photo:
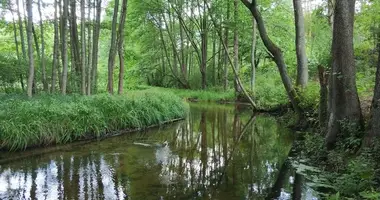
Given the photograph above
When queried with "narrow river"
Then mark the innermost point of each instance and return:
(218, 152)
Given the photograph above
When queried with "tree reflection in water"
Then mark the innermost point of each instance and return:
(218, 152)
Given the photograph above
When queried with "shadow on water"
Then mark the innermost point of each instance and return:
(218, 152)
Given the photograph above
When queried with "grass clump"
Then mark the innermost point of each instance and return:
(51, 119)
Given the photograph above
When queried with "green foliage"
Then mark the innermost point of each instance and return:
(48, 120)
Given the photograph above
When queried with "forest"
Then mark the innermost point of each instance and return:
(89, 69)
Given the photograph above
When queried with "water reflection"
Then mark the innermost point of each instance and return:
(218, 152)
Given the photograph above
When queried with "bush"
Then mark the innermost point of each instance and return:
(46, 120)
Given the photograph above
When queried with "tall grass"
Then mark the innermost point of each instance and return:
(46, 120)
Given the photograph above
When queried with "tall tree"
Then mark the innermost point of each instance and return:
(374, 123)
(236, 46)
(42, 61)
(113, 46)
(204, 34)
(302, 68)
(277, 56)
(29, 34)
(83, 47)
(64, 46)
(226, 52)
(55, 48)
(89, 58)
(95, 46)
(345, 100)
(121, 35)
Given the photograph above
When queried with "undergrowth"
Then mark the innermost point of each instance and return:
(55, 119)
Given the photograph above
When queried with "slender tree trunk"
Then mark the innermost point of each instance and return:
(113, 46)
(183, 58)
(236, 47)
(277, 56)
(204, 34)
(83, 49)
(76, 55)
(95, 47)
(17, 51)
(43, 64)
(226, 52)
(64, 46)
(55, 50)
(323, 98)
(121, 35)
(89, 59)
(253, 53)
(214, 39)
(374, 123)
(22, 38)
(29, 34)
(302, 68)
(345, 100)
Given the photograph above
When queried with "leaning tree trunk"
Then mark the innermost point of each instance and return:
(112, 52)
(277, 56)
(302, 69)
(345, 103)
(29, 34)
(374, 123)
(121, 35)
(253, 53)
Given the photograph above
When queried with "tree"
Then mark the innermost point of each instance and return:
(55, 49)
(345, 105)
(83, 48)
(120, 45)
(95, 46)
(253, 53)
(236, 46)
(64, 46)
(113, 46)
(276, 55)
(29, 34)
(302, 69)
(374, 122)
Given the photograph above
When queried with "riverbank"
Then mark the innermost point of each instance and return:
(54, 119)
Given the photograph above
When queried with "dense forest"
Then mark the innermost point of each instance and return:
(319, 59)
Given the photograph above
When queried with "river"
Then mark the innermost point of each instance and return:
(217, 152)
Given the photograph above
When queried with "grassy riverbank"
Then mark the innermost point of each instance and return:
(46, 120)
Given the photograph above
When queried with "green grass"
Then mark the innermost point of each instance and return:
(46, 120)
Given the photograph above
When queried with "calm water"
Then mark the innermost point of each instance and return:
(218, 152)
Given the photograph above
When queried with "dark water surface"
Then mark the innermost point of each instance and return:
(218, 152)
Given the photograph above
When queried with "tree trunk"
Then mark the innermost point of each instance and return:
(226, 52)
(121, 35)
(83, 40)
(236, 47)
(89, 59)
(374, 123)
(30, 48)
(323, 98)
(253, 53)
(17, 50)
(64, 46)
(113, 46)
(43, 64)
(204, 48)
(76, 55)
(55, 50)
(302, 69)
(345, 100)
(22, 38)
(95, 47)
(277, 56)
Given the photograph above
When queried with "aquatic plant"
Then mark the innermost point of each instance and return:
(48, 119)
